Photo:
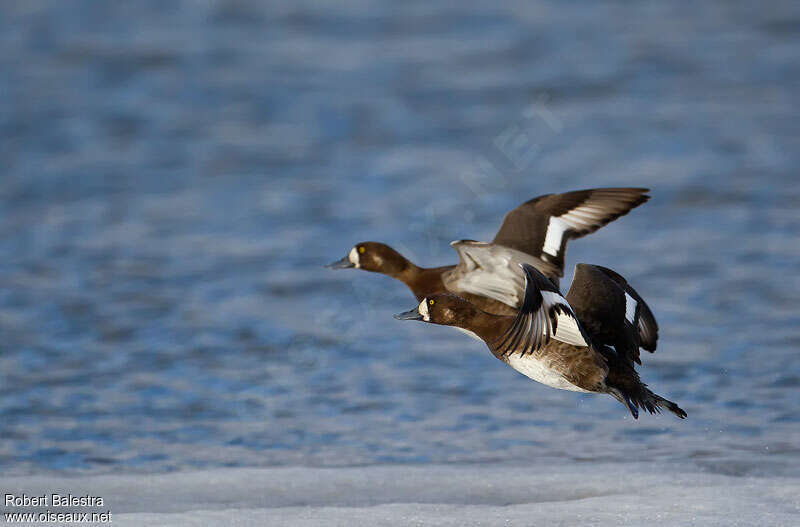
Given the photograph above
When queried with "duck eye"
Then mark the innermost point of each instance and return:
(431, 302)
(362, 249)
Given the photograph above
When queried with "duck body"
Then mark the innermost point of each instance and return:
(558, 364)
(546, 342)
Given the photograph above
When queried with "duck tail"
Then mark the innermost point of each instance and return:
(653, 403)
(625, 385)
(669, 405)
(645, 399)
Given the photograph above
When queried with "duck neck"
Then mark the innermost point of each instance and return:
(487, 326)
(422, 281)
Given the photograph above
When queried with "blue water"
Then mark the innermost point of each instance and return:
(174, 175)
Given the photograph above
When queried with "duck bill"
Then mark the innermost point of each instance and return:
(344, 263)
(411, 314)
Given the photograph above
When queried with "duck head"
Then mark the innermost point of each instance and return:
(442, 309)
(372, 256)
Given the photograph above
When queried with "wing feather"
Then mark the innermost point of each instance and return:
(612, 312)
(543, 315)
(542, 226)
(492, 271)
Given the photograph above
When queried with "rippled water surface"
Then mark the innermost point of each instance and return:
(175, 174)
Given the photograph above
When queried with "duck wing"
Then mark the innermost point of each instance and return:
(612, 312)
(491, 271)
(542, 226)
(543, 315)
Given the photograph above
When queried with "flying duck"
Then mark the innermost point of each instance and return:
(487, 275)
(586, 342)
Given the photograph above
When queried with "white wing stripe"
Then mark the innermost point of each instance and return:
(630, 308)
(551, 298)
(567, 329)
(586, 216)
(555, 233)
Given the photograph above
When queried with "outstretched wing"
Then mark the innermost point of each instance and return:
(492, 271)
(542, 226)
(612, 312)
(544, 315)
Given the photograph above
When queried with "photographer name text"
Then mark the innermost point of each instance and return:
(52, 500)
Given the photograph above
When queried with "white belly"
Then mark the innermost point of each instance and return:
(538, 370)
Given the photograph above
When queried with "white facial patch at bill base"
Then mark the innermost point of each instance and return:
(353, 257)
(423, 310)
(630, 307)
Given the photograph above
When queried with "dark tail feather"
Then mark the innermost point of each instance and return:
(659, 402)
(646, 400)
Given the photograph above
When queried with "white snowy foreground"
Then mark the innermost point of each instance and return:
(449, 495)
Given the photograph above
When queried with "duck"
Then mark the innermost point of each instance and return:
(585, 342)
(487, 275)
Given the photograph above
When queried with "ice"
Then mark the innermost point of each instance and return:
(437, 495)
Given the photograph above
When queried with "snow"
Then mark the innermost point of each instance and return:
(437, 495)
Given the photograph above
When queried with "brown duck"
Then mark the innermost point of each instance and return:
(586, 342)
(487, 275)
